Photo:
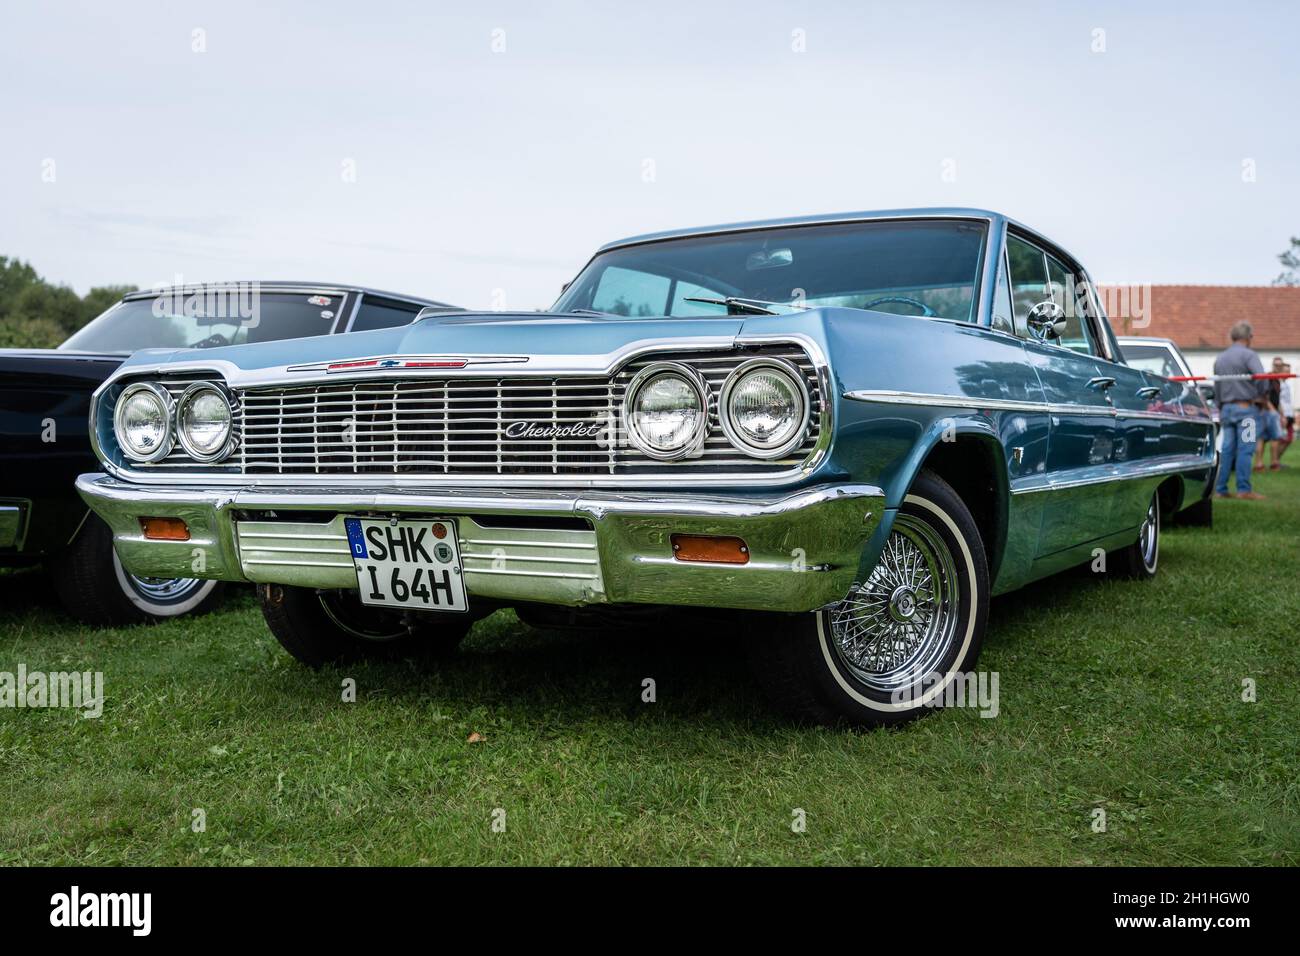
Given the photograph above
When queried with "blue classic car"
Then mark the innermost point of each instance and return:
(849, 429)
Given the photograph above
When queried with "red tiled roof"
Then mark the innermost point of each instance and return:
(1199, 316)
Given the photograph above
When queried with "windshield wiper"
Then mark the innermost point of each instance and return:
(593, 312)
(749, 306)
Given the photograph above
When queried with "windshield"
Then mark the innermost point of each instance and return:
(1152, 358)
(208, 319)
(909, 267)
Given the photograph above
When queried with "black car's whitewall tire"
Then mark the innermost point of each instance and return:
(889, 651)
(93, 585)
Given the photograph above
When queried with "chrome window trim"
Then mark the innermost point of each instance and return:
(352, 318)
(989, 220)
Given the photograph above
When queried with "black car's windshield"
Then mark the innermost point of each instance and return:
(1152, 358)
(911, 267)
(209, 319)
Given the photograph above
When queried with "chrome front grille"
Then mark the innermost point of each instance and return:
(447, 426)
(459, 427)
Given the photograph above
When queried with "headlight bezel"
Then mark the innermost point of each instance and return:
(798, 388)
(168, 441)
(182, 437)
(701, 391)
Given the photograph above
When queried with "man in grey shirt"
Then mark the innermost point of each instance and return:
(1237, 399)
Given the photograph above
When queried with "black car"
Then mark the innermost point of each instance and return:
(44, 408)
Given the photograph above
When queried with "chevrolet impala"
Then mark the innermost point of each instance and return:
(852, 430)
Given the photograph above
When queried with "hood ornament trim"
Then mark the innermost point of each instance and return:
(389, 363)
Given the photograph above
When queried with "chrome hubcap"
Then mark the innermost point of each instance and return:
(902, 604)
(164, 590)
(1148, 536)
(897, 626)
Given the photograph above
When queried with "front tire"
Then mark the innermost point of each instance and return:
(887, 652)
(94, 587)
(334, 627)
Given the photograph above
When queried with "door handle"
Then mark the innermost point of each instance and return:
(1148, 391)
(1102, 382)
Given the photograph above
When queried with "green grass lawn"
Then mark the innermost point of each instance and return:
(1124, 696)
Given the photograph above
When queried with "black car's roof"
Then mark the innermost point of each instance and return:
(284, 285)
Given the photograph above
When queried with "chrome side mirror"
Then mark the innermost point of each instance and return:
(1046, 320)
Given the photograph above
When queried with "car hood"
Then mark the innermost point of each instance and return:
(34, 361)
(530, 338)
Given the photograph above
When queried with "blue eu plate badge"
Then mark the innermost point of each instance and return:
(356, 540)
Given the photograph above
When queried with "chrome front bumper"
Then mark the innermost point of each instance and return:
(570, 548)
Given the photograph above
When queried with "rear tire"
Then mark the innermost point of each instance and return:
(334, 627)
(886, 654)
(93, 586)
(1199, 515)
(1141, 559)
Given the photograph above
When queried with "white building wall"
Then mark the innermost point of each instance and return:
(1202, 362)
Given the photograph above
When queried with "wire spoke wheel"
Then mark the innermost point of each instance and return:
(898, 625)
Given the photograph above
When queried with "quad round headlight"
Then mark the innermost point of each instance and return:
(142, 422)
(764, 408)
(203, 422)
(666, 410)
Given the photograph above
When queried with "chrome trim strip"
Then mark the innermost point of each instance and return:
(352, 317)
(891, 397)
(455, 500)
(963, 215)
(1119, 472)
(465, 361)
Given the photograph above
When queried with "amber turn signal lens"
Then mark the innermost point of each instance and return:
(713, 549)
(165, 529)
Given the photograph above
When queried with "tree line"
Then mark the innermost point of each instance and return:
(36, 314)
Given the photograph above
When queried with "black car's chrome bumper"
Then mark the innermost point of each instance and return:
(567, 548)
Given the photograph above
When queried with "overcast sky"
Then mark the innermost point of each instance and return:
(455, 149)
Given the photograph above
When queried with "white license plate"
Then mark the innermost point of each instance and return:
(407, 564)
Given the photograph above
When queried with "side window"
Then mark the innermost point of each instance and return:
(1002, 314)
(631, 292)
(1077, 334)
(1028, 279)
(383, 314)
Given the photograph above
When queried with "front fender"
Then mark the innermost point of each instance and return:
(935, 431)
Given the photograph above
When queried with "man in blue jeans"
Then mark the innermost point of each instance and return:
(1238, 400)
